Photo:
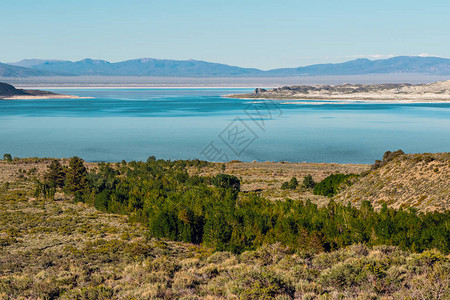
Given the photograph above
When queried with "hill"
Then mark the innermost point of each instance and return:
(198, 68)
(8, 91)
(437, 91)
(421, 181)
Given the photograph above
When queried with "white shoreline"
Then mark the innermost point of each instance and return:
(31, 97)
(341, 100)
(131, 87)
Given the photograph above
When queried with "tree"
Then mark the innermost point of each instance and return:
(308, 182)
(55, 174)
(45, 190)
(7, 157)
(290, 185)
(227, 182)
(76, 178)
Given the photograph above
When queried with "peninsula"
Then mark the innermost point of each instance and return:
(9, 92)
(434, 92)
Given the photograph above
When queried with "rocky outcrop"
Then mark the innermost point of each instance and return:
(258, 92)
(7, 90)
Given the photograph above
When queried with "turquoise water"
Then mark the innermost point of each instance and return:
(133, 124)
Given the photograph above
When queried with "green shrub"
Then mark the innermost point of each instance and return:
(7, 157)
(290, 185)
(345, 275)
(308, 182)
(331, 185)
(227, 182)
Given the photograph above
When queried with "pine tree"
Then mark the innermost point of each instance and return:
(76, 178)
(293, 183)
(55, 175)
(308, 182)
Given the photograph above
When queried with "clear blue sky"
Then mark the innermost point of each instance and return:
(251, 33)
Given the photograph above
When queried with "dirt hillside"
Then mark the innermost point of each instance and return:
(417, 180)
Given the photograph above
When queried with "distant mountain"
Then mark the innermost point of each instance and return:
(28, 63)
(193, 68)
(16, 71)
(399, 64)
(139, 67)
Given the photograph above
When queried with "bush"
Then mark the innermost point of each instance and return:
(331, 185)
(262, 284)
(345, 275)
(290, 185)
(387, 157)
(227, 182)
(308, 182)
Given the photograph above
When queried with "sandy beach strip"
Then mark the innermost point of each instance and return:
(31, 97)
(351, 98)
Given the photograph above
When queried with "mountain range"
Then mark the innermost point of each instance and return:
(197, 68)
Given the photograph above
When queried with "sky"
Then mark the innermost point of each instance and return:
(263, 34)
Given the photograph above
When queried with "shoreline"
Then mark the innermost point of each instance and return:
(134, 87)
(56, 96)
(342, 100)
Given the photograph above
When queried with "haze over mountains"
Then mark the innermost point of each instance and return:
(196, 68)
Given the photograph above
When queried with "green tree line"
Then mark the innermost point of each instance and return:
(212, 211)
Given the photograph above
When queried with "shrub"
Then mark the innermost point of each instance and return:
(262, 284)
(387, 157)
(308, 182)
(290, 185)
(331, 185)
(344, 275)
(7, 157)
(227, 182)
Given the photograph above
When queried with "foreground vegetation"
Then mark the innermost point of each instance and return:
(59, 249)
(157, 229)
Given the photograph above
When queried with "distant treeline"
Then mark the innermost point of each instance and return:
(212, 211)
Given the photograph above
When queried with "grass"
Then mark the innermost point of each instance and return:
(59, 249)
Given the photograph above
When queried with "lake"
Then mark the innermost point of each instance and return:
(133, 124)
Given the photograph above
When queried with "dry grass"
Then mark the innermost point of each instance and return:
(266, 178)
(421, 181)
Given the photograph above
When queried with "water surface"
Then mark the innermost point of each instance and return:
(133, 124)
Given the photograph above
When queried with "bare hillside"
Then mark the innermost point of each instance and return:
(407, 180)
